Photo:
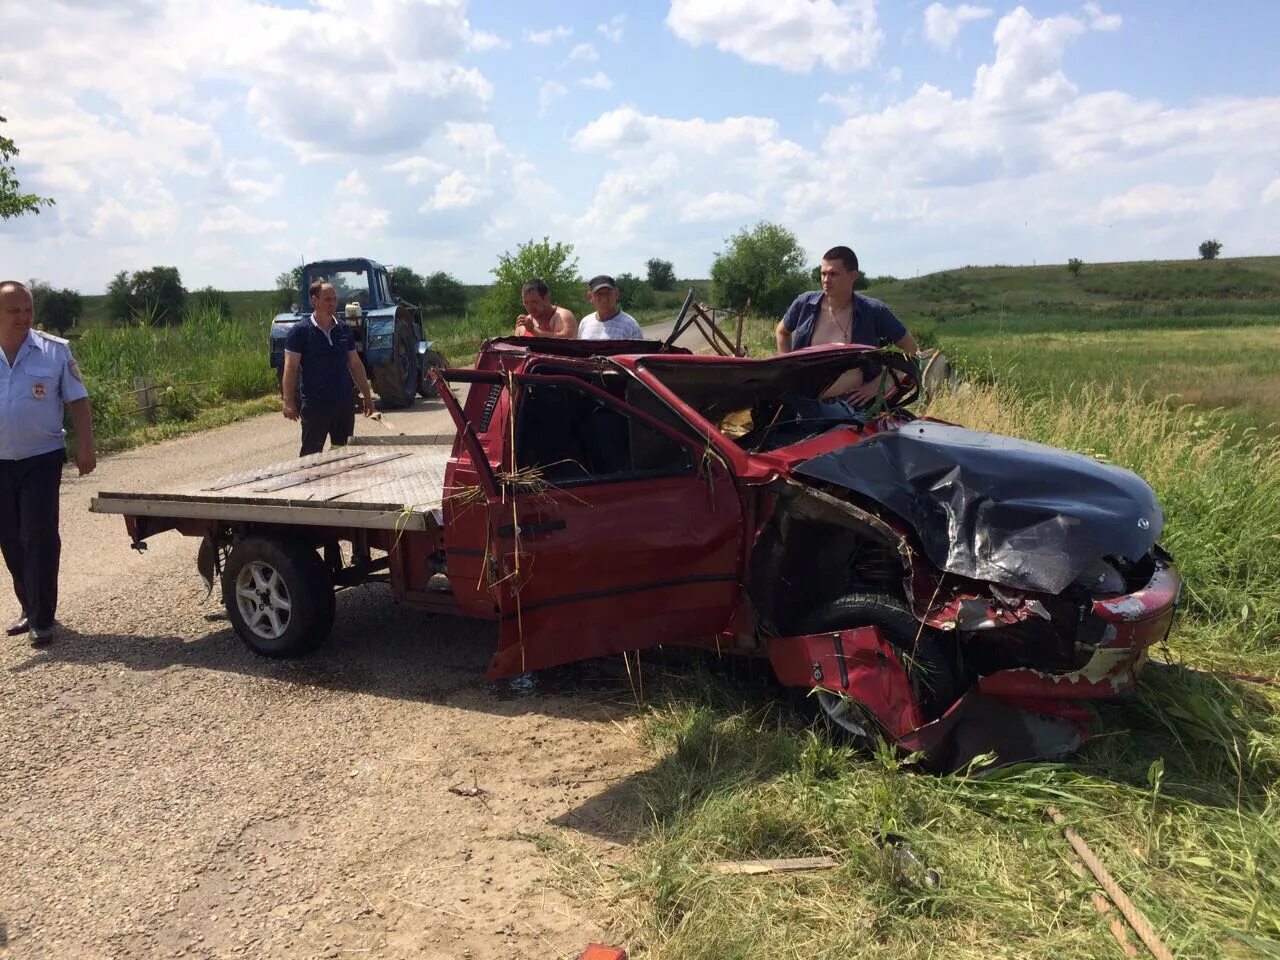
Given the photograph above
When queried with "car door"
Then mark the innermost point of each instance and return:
(609, 529)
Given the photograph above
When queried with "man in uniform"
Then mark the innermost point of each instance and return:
(321, 353)
(541, 317)
(38, 376)
(836, 314)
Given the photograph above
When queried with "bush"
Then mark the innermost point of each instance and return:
(213, 300)
(444, 294)
(1210, 249)
(56, 310)
(156, 295)
(634, 293)
(763, 266)
(554, 263)
(662, 275)
(1074, 265)
(288, 288)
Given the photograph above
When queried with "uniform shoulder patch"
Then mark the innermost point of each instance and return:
(50, 337)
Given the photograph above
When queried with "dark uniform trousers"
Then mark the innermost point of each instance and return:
(335, 420)
(29, 531)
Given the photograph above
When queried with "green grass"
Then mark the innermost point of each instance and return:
(206, 370)
(1178, 790)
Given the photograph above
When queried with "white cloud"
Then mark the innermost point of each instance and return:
(548, 93)
(612, 31)
(256, 191)
(417, 169)
(457, 190)
(234, 221)
(544, 38)
(789, 34)
(584, 53)
(1027, 72)
(1150, 201)
(482, 42)
(597, 81)
(352, 185)
(720, 205)
(1102, 21)
(1271, 194)
(942, 24)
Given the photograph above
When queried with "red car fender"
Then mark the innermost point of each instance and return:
(858, 663)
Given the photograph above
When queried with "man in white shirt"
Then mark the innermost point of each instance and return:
(608, 322)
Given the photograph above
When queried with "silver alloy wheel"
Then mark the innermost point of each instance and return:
(263, 599)
(844, 712)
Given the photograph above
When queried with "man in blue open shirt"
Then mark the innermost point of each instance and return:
(321, 352)
(836, 314)
(38, 376)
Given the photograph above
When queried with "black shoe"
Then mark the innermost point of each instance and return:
(21, 625)
(40, 636)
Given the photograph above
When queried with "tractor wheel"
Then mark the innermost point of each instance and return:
(397, 380)
(278, 595)
(921, 651)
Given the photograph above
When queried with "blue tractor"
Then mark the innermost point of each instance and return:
(389, 333)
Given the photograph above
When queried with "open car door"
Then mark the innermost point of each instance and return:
(609, 529)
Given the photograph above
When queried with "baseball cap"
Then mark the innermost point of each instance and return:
(600, 280)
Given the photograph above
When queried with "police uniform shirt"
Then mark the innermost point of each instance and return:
(33, 390)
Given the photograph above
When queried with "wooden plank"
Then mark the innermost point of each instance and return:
(303, 514)
(241, 479)
(326, 471)
(790, 865)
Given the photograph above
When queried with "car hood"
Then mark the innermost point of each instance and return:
(993, 508)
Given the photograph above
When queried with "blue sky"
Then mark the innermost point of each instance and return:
(231, 140)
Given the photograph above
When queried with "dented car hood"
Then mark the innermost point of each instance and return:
(993, 508)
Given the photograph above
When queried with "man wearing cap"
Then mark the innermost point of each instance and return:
(320, 354)
(38, 377)
(836, 314)
(542, 318)
(608, 322)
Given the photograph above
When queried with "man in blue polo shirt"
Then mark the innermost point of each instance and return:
(836, 314)
(321, 353)
(38, 376)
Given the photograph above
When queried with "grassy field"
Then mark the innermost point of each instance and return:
(1177, 792)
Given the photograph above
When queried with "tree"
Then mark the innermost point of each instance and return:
(211, 298)
(159, 295)
(408, 285)
(14, 203)
(1210, 249)
(156, 295)
(552, 262)
(445, 294)
(56, 310)
(764, 265)
(662, 276)
(289, 288)
(1074, 265)
(634, 293)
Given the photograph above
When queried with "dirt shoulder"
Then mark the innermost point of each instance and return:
(164, 792)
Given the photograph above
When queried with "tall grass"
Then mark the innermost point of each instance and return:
(205, 362)
(1177, 792)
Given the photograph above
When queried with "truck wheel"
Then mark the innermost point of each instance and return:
(279, 596)
(932, 679)
(431, 360)
(397, 381)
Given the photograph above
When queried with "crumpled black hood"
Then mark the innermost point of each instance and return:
(994, 508)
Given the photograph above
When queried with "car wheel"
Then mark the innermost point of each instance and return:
(278, 596)
(921, 651)
(397, 381)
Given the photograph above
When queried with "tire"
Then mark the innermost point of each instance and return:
(278, 596)
(431, 360)
(922, 653)
(397, 381)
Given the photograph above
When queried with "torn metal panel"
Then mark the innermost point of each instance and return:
(995, 508)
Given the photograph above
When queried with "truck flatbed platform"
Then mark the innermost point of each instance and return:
(374, 483)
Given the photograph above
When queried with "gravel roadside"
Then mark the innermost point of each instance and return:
(164, 792)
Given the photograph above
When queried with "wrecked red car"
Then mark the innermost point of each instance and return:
(953, 591)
